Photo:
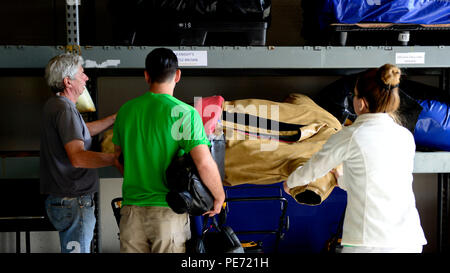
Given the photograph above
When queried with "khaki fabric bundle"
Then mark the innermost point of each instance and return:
(315, 192)
(257, 160)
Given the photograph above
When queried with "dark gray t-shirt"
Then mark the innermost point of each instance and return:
(62, 123)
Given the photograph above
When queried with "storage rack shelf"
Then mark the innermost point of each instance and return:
(303, 59)
(28, 167)
(251, 57)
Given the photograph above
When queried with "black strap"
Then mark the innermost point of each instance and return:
(263, 123)
(288, 138)
(216, 224)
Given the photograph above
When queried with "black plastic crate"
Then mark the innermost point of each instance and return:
(199, 34)
(190, 23)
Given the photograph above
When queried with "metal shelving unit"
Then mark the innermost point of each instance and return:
(251, 57)
(121, 59)
(300, 59)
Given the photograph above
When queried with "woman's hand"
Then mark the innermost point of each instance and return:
(338, 172)
(286, 188)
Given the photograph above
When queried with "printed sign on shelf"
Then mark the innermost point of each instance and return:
(410, 58)
(192, 58)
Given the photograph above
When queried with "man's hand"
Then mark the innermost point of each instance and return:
(216, 209)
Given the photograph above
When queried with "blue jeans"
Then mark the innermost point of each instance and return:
(74, 218)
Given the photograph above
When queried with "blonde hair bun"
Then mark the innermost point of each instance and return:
(390, 74)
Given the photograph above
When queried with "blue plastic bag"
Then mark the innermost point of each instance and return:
(433, 126)
(388, 11)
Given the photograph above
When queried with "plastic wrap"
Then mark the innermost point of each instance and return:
(390, 11)
(433, 126)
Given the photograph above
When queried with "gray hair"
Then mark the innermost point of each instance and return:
(60, 67)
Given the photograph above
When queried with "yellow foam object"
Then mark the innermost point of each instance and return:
(107, 145)
(84, 103)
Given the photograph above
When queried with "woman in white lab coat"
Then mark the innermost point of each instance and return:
(377, 155)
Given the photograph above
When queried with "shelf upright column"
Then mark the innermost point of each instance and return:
(73, 46)
(72, 25)
(443, 212)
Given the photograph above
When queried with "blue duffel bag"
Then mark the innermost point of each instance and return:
(432, 129)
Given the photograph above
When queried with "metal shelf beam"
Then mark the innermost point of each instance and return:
(432, 162)
(251, 57)
(28, 167)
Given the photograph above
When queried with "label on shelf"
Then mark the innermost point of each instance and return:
(192, 58)
(410, 58)
(105, 64)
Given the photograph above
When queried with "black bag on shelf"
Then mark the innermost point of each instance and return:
(187, 193)
(336, 98)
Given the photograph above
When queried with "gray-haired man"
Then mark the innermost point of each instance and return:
(67, 171)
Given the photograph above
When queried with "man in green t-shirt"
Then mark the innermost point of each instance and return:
(149, 131)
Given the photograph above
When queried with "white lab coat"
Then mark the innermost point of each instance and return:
(378, 160)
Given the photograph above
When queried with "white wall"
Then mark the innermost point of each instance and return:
(109, 189)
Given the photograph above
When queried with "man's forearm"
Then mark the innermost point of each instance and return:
(98, 126)
(92, 160)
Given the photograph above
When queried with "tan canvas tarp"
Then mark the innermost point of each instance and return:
(253, 160)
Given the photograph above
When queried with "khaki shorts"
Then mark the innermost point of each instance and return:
(153, 230)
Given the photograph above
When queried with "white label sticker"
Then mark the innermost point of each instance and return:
(410, 58)
(107, 63)
(73, 2)
(192, 58)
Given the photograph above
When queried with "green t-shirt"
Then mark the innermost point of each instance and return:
(150, 129)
